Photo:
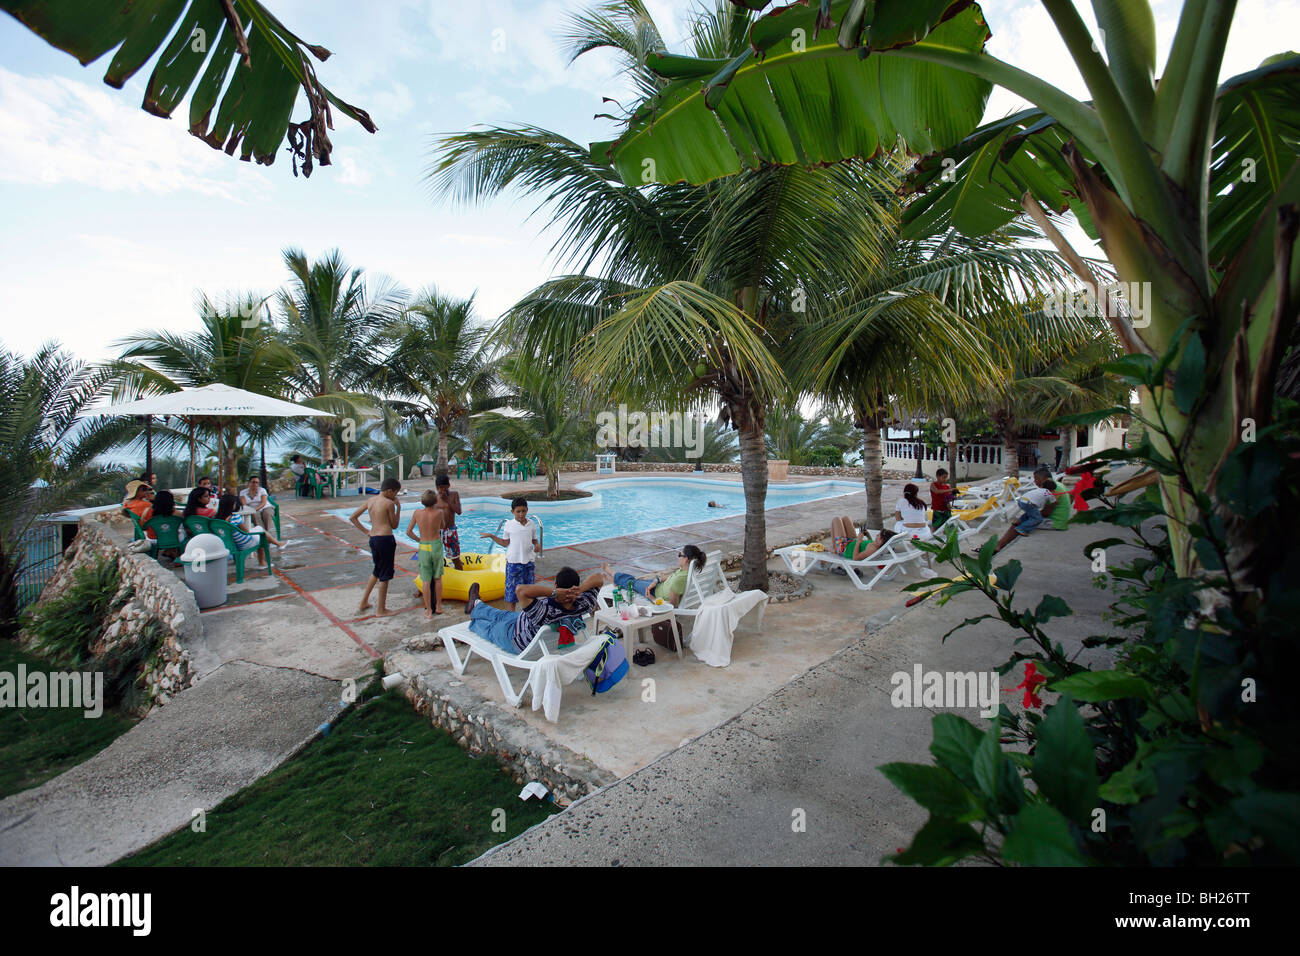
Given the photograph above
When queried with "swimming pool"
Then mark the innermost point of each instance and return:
(619, 506)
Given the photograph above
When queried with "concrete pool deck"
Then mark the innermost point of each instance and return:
(293, 634)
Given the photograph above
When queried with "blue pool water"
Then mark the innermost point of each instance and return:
(619, 506)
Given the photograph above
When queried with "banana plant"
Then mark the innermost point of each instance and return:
(200, 42)
(1191, 185)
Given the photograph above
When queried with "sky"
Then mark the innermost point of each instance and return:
(111, 219)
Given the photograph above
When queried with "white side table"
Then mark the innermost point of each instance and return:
(633, 627)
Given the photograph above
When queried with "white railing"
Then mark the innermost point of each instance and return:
(974, 454)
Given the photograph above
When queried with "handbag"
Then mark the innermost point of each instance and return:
(663, 634)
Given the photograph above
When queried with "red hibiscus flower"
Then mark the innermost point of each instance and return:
(1030, 685)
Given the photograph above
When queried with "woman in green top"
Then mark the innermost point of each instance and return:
(671, 588)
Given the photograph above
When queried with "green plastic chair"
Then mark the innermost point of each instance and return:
(197, 524)
(136, 528)
(317, 485)
(167, 533)
(226, 532)
(276, 519)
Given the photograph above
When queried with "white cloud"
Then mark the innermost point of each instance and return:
(55, 130)
(484, 103)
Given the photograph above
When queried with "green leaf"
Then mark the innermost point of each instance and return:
(1130, 784)
(1275, 817)
(1051, 606)
(790, 105)
(941, 842)
(934, 788)
(954, 745)
(1190, 376)
(254, 114)
(1065, 767)
(1040, 836)
(1089, 418)
(1008, 574)
(995, 775)
(1096, 686)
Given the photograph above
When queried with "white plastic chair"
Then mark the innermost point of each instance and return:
(546, 668)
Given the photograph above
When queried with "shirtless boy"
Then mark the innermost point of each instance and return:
(385, 513)
(449, 504)
(426, 528)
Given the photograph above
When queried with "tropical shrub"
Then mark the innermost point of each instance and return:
(1183, 750)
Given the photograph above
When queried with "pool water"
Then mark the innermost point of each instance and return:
(618, 506)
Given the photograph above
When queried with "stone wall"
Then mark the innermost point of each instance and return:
(156, 596)
(486, 727)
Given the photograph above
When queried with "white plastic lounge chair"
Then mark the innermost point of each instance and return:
(705, 582)
(546, 666)
(897, 553)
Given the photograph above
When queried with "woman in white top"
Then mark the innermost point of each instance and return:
(910, 512)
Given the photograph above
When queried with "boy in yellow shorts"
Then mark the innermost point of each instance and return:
(426, 528)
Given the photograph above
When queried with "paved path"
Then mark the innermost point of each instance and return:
(210, 742)
(809, 752)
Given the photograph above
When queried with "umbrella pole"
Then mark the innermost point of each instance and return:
(263, 461)
(148, 445)
(191, 454)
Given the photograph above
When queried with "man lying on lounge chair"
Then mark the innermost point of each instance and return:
(542, 605)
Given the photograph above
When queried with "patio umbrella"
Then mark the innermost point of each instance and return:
(209, 404)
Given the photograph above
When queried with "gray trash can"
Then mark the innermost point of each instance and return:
(426, 467)
(205, 561)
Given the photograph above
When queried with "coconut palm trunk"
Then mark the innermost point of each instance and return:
(326, 441)
(753, 474)
(441, 467)
(1011, 455)
(1067, 446)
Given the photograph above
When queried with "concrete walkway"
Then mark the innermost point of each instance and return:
(808, 753)
(213, 740)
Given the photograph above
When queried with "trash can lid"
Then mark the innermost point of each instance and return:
(205, 547)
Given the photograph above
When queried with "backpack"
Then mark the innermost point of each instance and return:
(609, 665)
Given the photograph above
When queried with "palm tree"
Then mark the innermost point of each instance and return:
(229, 349)
(47, 455)
(904, 334)
(543, 421)
(328, 320)
(794, 438)
(699, 288)
(441, 367)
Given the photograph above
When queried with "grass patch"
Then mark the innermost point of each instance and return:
(37, 743)
(385, 788)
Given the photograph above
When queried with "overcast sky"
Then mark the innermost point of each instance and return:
(111, 219)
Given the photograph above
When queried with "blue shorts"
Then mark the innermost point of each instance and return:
(517, 574)
(1030, 520)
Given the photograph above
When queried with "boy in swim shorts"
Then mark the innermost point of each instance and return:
(426, 528)
(449, 504)
(385, 513)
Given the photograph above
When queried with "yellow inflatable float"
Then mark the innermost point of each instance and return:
(488, 570)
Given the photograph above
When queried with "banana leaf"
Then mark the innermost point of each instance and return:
(245, 110)
(797, 97)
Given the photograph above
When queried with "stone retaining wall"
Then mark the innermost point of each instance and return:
(156, 596)
(485, 727)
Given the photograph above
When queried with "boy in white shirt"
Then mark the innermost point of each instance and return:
(1037, 503)
(522, 547)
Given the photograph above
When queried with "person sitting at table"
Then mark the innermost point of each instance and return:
(670, 588)
(139, 501)
(199, 503)
(164, 506)
(255, 499)
(299, 469)
(227, 512)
